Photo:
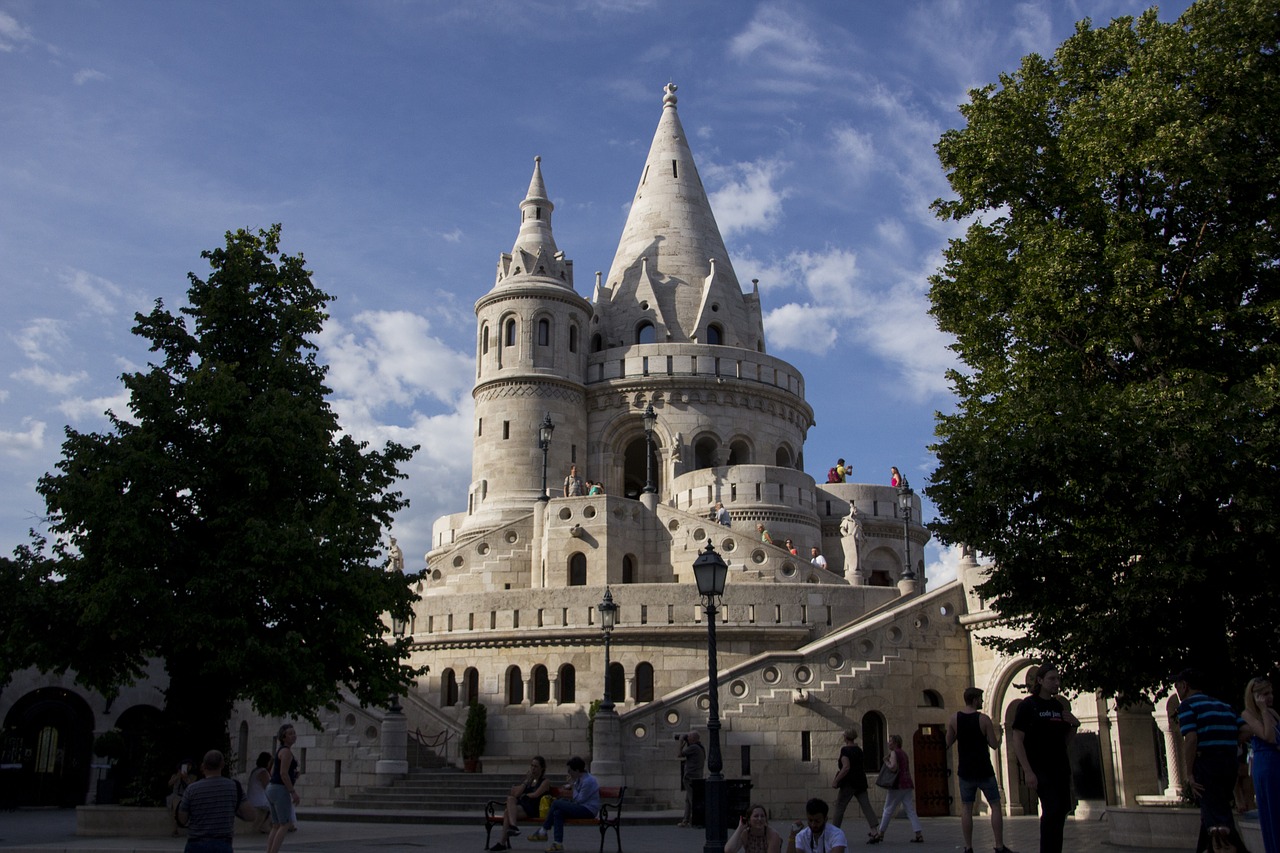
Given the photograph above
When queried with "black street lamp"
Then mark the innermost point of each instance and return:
(544, 442)
(650, 421)
(905, 494)
(398, 627)
(608, 618)
(710, 571)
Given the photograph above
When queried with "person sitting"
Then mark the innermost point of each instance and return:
(523, 800)
(583, 801)
(754, 835)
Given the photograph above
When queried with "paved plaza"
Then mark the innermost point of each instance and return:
(52, 831)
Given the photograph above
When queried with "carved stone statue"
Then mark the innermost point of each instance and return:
(852, 537)
(396, 561)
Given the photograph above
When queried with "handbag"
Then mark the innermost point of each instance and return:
(544, 806)
(887, 777)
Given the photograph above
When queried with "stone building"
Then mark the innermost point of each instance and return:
(509, 611)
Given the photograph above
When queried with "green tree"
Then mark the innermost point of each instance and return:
(227, 527)
(1114, 303)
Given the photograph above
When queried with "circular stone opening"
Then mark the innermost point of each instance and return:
(704, 702)
(699, 534)
(673, 718)
(588, 512)
(457, 561)
(350, 721)
(728, 545)
(922, 622)
(674, 525)
(866, 647)
(435, 576)
(639, 732)
(758, 556)
(565, 513)
(803, 675)
(371, 733)
(512, 536)
(835, 660)
(771, 674)
(788, 570)
(644, 306)
(895, 635)
(482, 548)
(947, 609)
(738, 688)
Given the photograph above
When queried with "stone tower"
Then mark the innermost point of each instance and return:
(530, 357)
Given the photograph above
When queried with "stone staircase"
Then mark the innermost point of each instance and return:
(449, 796)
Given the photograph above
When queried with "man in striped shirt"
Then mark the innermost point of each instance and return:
(209, 808)
(1210, 733)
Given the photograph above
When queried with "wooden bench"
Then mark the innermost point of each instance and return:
(609, 816)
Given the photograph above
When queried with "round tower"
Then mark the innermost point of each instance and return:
(531, 332)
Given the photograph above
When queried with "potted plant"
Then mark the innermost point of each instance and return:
(473, 736)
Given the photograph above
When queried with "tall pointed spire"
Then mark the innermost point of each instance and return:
(671, 225)
(535, 251)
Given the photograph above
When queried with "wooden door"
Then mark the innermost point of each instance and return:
(931, 774)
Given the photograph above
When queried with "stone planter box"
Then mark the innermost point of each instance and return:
(135, 821)
(1168, 827)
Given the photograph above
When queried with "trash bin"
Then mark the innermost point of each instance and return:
(737, 799)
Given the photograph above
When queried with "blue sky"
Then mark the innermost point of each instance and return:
(394, 141)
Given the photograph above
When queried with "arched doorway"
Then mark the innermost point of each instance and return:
(635, 469)
(142, 770)
(929, 747)
(49, 732)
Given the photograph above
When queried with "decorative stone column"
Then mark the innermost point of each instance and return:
(606, 749)
(394, 739)
(1172, 753)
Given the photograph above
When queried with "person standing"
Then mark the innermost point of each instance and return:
(720, 515)
(842, 471)
(895, 478)
(1042, 728)
(764, 534)
(1263, 724)
(975, 735)
(281, 793)
(583, 801)
(693, 757)
(256, 792)
(573, 484)
(210, 806)
(852, 782)
(819, 836)
(816, 558)
(1210, 732)
(902, 794)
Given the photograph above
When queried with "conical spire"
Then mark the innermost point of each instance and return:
(535, 251)
(671, 225)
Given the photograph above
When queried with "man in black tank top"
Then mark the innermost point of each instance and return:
(975, 735)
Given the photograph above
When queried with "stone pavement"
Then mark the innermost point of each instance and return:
(53, 831)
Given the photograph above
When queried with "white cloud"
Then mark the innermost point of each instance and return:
(946, 567)
(775, 39)
(96, 293)
(454, 236)
(854, 151)
(23, 443)
(39, 337)
(48, 380)
(12, 33)
(748, 200)
(79, 409)
(804, 327)
(84, 75)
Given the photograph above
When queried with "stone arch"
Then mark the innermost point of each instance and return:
(617, 682)
(448, 688)
(566, 685)
(577, 569)
(597, 342)
(629, 568)
(706, 448)
(874, 734)
(573, 337)
(644, 682)
(141, 727)
(540, 686)
(715, 334)
(544, 329)
(783, 457)
(646, 332)
(635, 469)
(881, 566)
(470, 685)
(739, 451)
(50, 730)
(514, 680)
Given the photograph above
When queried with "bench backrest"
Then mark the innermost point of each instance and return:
(605, 793)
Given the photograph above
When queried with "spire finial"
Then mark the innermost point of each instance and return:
(669, 96)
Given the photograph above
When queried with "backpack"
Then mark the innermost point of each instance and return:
(833, 476)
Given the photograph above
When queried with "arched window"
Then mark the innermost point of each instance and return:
(573, 339)
(873, 737)
(739, 453)
(484, 338)
(470, 686)
(541, 686)
(932, 699)
(544, 332)
(629, 568)
(509, 333)
(515, 686)
(644, 682)
(715, 335)
(567, 684)
(448, 688)
(646, 333)
(597, 342)
(783, 457)
(578, 569)
(704, 453)
(617, 682)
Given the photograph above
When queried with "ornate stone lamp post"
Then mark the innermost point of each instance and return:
(608, 619)
(650, 421)
(710, 571)
(398, 627)
(544, 442)
(905, 495)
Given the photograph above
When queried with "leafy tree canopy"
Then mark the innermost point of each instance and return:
(227, 527)
(1115, 304)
